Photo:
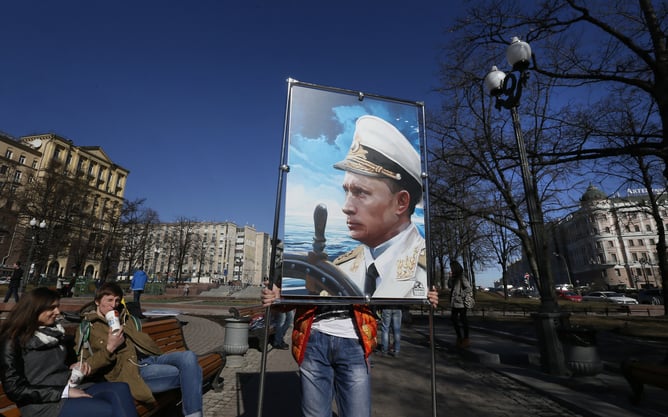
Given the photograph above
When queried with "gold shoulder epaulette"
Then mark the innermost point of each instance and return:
(348, 255)
(422, 260)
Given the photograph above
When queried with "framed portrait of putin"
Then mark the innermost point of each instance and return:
(352, 198)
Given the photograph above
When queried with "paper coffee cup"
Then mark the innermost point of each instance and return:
(76, 377)
(113, 321)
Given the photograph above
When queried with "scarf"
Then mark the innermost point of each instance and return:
(46, 337)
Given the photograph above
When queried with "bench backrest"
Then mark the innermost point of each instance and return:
(167, 334)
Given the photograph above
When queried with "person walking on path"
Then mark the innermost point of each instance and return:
(461, 295)
(137, 285)
(15, 283)
(282, 322)
(390, 319)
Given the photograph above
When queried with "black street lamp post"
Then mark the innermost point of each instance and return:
(36, 227)
(507, 89)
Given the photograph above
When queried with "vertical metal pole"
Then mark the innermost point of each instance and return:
(26, 273)
(535, 222)
(434, 409)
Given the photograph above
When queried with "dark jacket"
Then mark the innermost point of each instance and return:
(34, 378)
(16, 276)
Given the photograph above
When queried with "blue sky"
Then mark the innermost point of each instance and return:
(190, 96)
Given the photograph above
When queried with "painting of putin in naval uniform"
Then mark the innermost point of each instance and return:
(354, 219)
(383, 185)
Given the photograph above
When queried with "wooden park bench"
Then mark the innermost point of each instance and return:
(638, 374)
(256, 325)
(168, 334)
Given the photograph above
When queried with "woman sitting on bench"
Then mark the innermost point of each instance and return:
(33, 370)
(132, 356)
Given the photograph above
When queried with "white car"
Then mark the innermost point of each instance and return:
(609, 297)
(4, 280)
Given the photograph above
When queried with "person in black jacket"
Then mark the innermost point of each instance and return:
(15, 283)
(33, 370)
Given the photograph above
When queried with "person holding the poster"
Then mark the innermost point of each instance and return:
(332, 344)
(383, 185)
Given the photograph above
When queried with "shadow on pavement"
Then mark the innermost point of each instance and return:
(281, 394)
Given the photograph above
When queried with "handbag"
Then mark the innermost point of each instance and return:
(469, 301)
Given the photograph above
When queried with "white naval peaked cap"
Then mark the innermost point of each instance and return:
(380, 150)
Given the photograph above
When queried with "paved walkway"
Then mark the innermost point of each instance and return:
(497, 376)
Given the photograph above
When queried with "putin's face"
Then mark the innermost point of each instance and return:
(374, 214)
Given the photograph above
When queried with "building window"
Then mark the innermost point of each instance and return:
(607, 229)
(648, 227)
(22, 159)
(611, 244)
(640, 242)
(618, 272)
(627, 228)
(636, 228)
(17, 176)
(613, 257)
(631, 242)
(9, 154)
(634, 256)
(34, 164)
(56, 153)
(3, 169)
(651, 242)
(598, 245)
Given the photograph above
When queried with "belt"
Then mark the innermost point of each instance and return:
(328, 313)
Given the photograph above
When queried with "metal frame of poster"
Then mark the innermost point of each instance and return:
(338, 238)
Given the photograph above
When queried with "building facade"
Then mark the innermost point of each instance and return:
(76, 191)
(203, 252)
(608, 243)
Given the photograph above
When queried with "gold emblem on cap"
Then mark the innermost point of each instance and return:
(356, 159)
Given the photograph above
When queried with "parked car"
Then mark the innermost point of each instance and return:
(650, 296)
(4, 280)
(570, 296)
(609, 297)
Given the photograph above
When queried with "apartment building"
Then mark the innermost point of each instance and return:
(78, 193)
(203, 252)
(609, 242)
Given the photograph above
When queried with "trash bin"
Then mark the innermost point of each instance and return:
(236, 341)
(580, 350)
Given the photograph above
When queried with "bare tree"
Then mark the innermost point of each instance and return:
(184, 236)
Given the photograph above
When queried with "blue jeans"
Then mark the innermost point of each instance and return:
(335, 367)
(390, 317)
(174, 370)
(282, 324)
(110, 399)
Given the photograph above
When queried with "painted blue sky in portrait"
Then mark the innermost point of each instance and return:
(320, 132)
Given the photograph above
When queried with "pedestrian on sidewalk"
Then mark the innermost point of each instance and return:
(137, 285)
(15, 283)
(282, 322)
(461, 295)
(390, 320)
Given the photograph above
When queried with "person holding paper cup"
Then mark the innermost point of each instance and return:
(130, 355)
(33, 367)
